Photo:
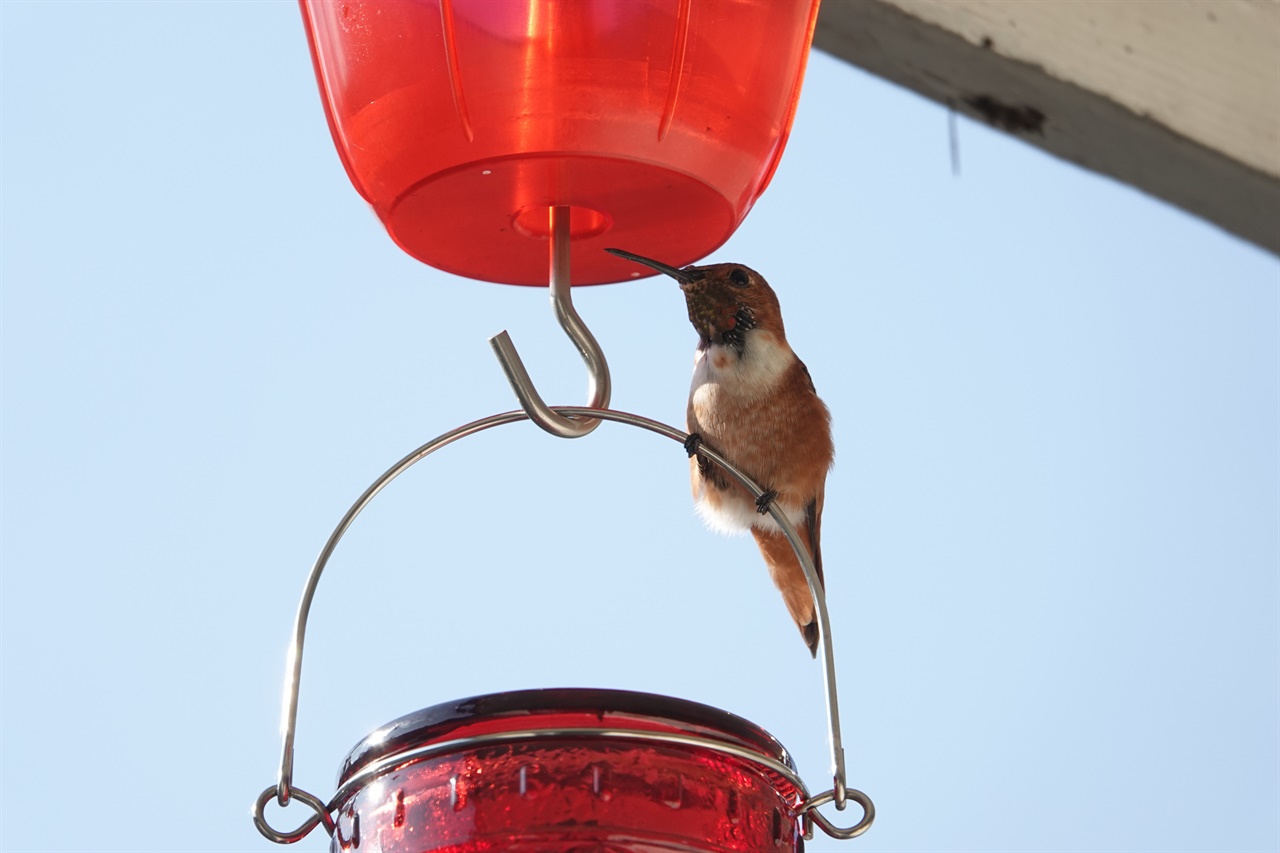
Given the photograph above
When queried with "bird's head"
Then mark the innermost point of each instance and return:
(725, 300)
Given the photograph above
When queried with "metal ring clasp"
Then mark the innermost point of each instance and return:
(321, 816)
(811, 815)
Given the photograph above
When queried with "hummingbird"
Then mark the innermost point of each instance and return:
(753, 402)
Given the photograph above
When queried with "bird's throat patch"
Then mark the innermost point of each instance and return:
(736, 327)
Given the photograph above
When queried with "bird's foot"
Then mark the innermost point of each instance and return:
(692, 443)
(765, 501)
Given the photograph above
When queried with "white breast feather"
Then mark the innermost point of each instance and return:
(735, 515)
(719, 370)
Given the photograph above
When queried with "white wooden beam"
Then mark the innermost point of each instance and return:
(1180, 98)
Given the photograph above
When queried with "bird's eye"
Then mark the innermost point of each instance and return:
(739, 278)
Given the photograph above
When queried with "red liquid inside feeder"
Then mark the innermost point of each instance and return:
(659, 122)
(561, 771)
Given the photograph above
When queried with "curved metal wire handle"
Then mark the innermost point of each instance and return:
(284, 790)
(599, 385)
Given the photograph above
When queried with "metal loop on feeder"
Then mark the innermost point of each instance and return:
(283, 790)
(321, 816)
(812, 815)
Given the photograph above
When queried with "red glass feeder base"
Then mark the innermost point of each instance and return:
(569, 770)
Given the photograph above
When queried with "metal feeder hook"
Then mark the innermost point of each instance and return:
(599, 385)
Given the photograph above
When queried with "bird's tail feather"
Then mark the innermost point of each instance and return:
(788, 576)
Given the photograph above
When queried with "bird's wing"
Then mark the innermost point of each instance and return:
(813, 521)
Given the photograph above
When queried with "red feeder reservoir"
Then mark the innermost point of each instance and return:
(556, 771)
(658, 122)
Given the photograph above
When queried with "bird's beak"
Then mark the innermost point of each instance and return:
(682, 276)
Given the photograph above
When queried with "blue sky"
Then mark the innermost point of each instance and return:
(1050, 536)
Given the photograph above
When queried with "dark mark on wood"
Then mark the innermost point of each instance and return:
(1008, 118)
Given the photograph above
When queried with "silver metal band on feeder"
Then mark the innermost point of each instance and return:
(284, 790)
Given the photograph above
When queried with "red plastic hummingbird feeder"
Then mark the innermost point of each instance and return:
(658, 122)
(490, 135)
